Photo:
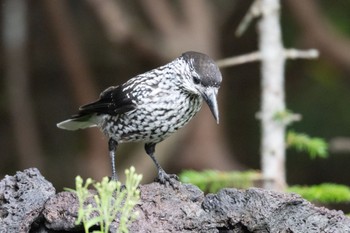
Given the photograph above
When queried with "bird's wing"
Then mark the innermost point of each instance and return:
(113, 101)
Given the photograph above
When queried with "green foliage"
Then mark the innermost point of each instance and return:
(212, 181)
(111, 201)
(323, 193)
(316, 147)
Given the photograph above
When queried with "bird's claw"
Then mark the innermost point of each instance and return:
(168, 179)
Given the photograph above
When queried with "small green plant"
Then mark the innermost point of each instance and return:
(323, 193)
(111, 201)
(212, 180)
(316, 147)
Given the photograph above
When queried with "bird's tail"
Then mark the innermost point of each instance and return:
(78, 122)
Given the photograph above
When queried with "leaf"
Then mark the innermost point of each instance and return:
(212, 180)
(323, 193)
(315, 147)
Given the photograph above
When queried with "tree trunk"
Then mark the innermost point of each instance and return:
(272, 98)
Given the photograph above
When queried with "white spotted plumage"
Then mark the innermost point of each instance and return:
(161, 107)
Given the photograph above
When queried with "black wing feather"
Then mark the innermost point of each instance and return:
(112, 101)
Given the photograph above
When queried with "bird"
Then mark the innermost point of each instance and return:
(151, 106)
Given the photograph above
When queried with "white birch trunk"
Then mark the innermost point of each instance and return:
(272, 99)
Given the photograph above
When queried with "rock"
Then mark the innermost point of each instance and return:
(22, 198)
(258, 210)
(61, 211)
(164, 209)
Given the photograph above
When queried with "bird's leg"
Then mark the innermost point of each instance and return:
(112, 147)
(163, 177)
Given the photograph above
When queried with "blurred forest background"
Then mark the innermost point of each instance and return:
(58, 55)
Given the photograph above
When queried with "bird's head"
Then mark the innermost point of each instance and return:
(202, 77)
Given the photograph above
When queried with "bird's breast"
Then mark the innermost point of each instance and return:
(154, 119)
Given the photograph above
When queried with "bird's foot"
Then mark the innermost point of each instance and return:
(115, 178)
(168, 179)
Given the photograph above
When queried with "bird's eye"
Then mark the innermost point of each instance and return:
(196, 80)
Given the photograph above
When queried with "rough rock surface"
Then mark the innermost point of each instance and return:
(61, 210)
(163, 209)
(258, 210)
(22, 199)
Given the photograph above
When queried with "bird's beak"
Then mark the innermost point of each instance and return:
(209, 95)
